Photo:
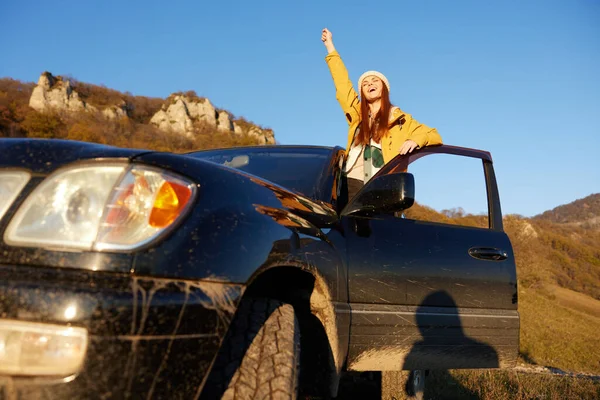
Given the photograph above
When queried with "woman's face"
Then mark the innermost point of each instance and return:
(371, 88)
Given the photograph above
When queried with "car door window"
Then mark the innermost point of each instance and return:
(449, 189)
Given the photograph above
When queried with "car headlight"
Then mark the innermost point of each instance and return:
(100, 207)
(30, 348)
(11, 184)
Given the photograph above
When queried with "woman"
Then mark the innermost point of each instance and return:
(378, 131)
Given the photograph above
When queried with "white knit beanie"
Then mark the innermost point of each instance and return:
(375, 73)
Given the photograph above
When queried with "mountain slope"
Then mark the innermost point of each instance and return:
(583, 212)
(62, 107)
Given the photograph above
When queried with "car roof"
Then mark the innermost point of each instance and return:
(444, 148)
(271, 146)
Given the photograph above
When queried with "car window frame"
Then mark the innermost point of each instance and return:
(318, 189)
(400, 163)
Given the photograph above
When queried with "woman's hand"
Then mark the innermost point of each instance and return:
(327, 39)
(408, 147)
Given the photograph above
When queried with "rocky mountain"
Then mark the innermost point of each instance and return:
(56, 93)
(61, 102)
(583, 212)
(181, 112)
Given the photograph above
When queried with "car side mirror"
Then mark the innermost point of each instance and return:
(384, 194)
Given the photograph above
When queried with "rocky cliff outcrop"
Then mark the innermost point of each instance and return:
(117, 111)
(55, 93)
(182, 113)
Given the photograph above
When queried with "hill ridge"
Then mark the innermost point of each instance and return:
(583, 212)
(63, 107)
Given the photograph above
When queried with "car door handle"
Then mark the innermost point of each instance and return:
(488, 253)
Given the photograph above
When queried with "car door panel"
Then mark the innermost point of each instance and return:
(393, 337)
(409, 259)
(430, 295)
(419, 299)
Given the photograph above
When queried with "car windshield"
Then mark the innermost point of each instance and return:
(295, 168)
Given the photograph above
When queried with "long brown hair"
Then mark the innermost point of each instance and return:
(380, 123)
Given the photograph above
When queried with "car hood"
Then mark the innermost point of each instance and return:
(45, 155)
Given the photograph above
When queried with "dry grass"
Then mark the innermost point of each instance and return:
(576, 301)
(476, 384)
(507, 385)
(560, 332)
(559, 328)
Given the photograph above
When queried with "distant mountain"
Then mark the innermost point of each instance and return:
(583, 212)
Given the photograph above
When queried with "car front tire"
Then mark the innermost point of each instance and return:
(260, 356)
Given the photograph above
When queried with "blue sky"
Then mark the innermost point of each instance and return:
(520, 79)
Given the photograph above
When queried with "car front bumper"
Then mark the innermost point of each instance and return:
(147, 337)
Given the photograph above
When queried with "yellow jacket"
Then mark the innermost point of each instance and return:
(398, 133)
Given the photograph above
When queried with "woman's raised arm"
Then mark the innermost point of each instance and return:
(344, 91)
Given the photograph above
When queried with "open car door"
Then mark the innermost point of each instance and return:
(431, 289)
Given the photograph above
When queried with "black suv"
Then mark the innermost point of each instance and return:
(243, 272)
